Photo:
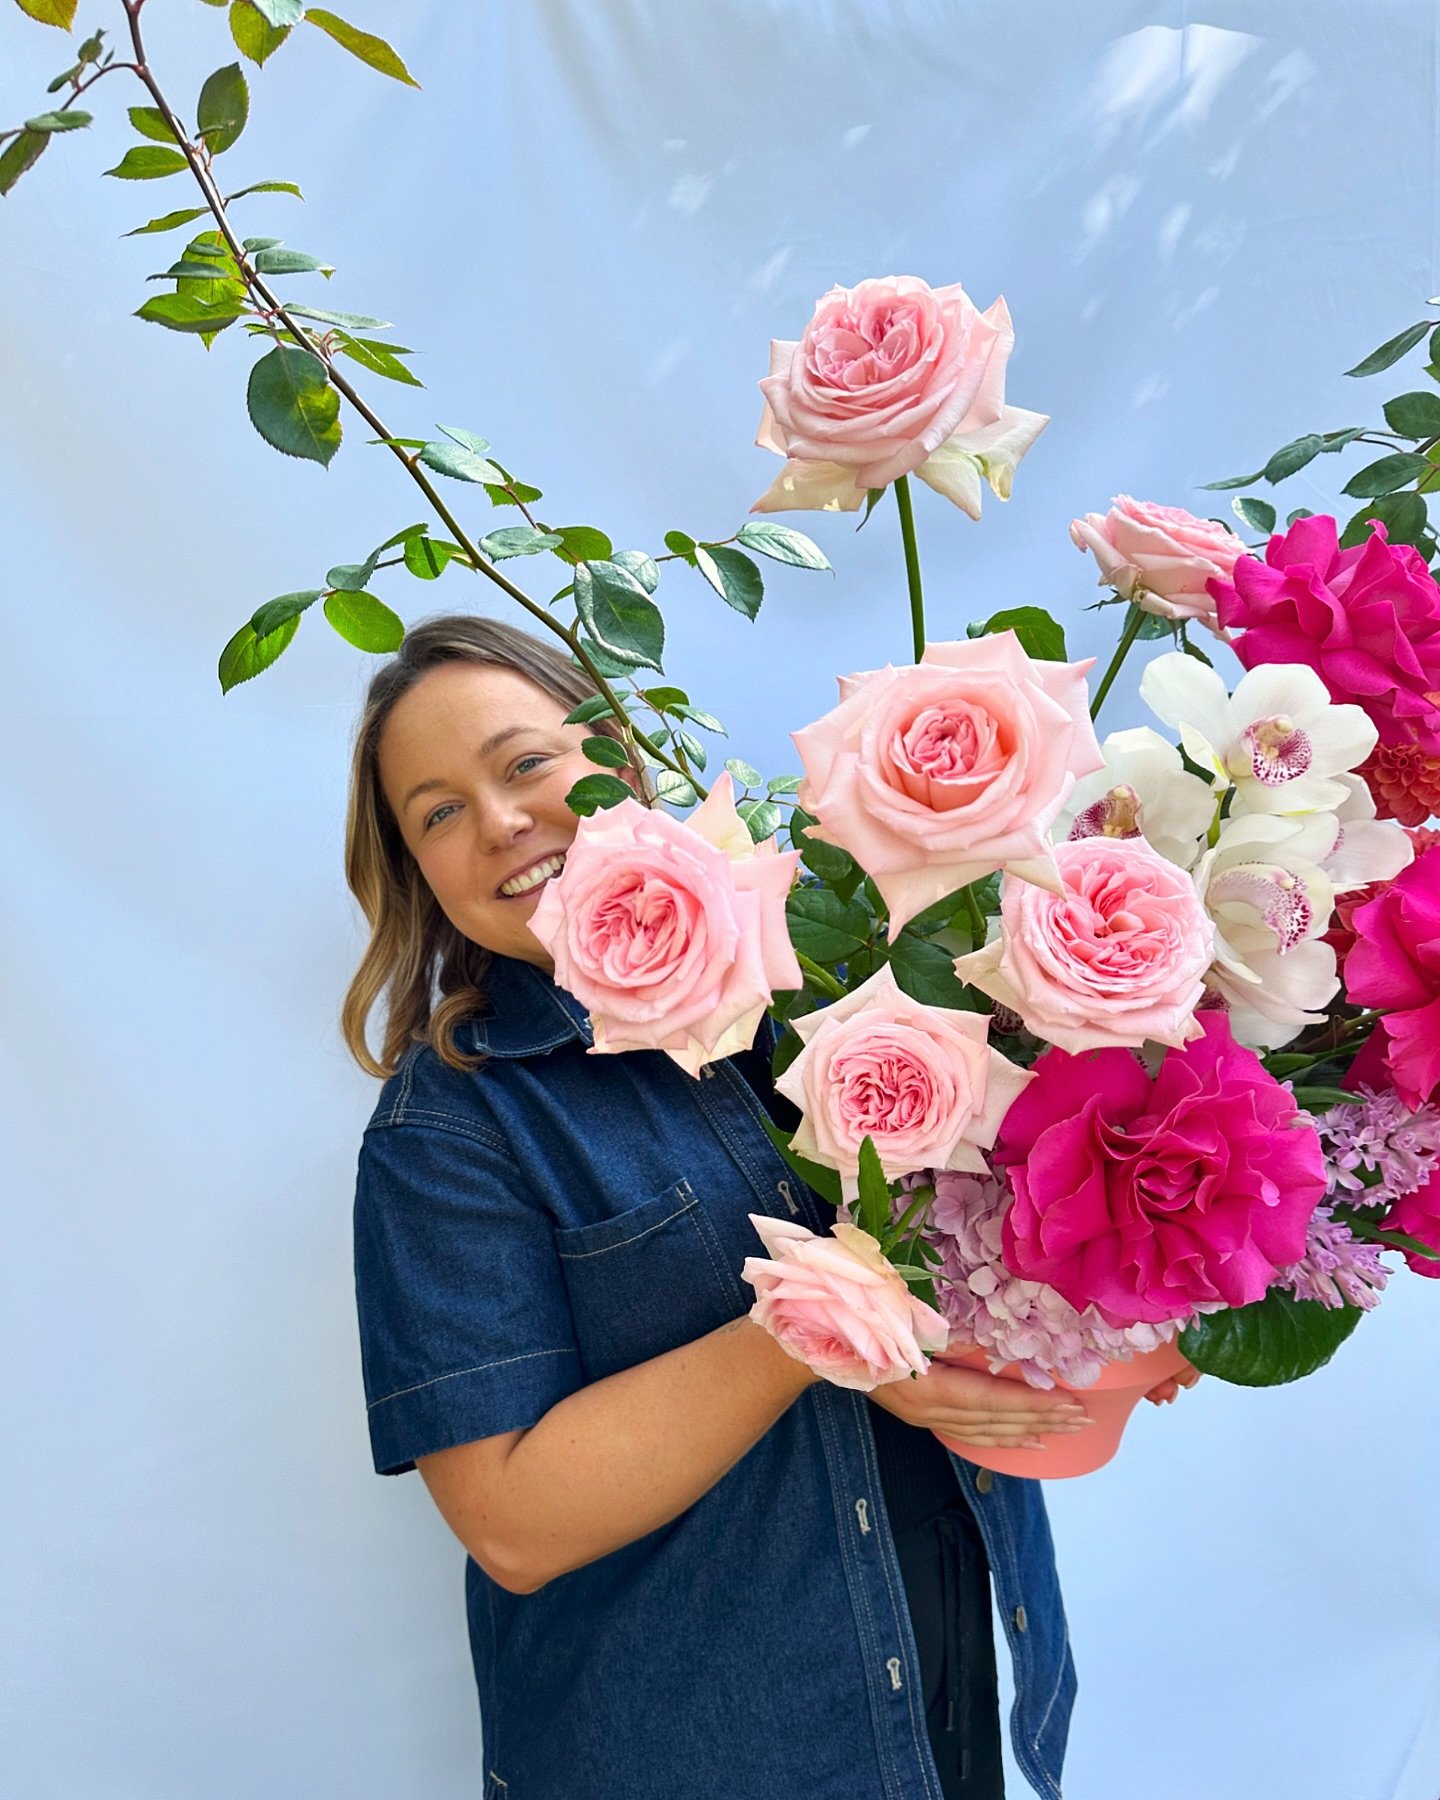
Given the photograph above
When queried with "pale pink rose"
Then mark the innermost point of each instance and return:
(1118, 958)
(920, 1081)
(1161, 557)
(671, 932)
(836, 1304)
(940, 772)
(893, 377)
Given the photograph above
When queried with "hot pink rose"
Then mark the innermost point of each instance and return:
(1394, 964)
(838, 1305)
(1418, 1216)
(891, 377)
(1118, 957)
(921, 1081)
(1153, 1200)
(671, 932)
(1368, 619)
(1161, 557)
(941, 772)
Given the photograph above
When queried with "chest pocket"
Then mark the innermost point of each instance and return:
(647, 1280)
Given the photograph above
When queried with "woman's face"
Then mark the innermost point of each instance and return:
(476, 762)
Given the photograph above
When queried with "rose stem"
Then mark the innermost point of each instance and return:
(912, 564)
(1133, 622)
(977, 918)
(822, 978)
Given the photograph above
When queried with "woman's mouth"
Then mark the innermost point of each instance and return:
(528, 881)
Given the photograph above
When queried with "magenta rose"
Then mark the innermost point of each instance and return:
(920, 1081)
(1161, 557)
(1367, 619)
(671, 932)
(1394, 964)
(1118, 957)
(836, 1304)
(1418, 1216)
(893, 377)
(1154, 1200)
(938, 773)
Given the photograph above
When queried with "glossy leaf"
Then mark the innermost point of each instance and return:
(619, 615)
(609, 752)
(371, 50)
(254, 36)
(293, 406)
(459, 463)
(378, 358)
(596, 793)
(365, 622)
(148, 162)
(1386, 475)
(644, 568)
(246, 655)
(518, 540)
(274, 613)
(1414, 415)
(828, 861)
(926, 971)
(170, 221)
(762, 818)
(674, 789)
(596, 707)
(1404, 517)
(1040, 635)
(680, 543)
(1293, 456)
(824, 927)
(1392, 349)
(188, 312)
(743, 772)
(781, 544)
(51, 12)
(280, 13)
(1258, 514)
(585, 543)
(734, 576)
(20, 154)
(1278, 1339)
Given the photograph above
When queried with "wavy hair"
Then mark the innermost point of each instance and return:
(427, 973)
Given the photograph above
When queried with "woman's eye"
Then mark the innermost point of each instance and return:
(525, 764)
(438, 814)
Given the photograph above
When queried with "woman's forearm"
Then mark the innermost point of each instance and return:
(617, 1459)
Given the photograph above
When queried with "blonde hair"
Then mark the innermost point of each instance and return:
(427, 972)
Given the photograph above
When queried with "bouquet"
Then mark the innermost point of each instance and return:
(1101, 1046)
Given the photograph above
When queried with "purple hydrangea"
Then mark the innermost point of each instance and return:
(1379, 1133)
(1337, 1269)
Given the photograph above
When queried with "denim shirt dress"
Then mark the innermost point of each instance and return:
(553, 1217)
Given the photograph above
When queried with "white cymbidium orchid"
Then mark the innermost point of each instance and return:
(1279, 739)
(1143, 791)
(1368, 848)
(1264, 887)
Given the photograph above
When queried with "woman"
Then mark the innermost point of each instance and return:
(696, 1572)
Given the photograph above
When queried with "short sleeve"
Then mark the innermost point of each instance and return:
(465, 1326)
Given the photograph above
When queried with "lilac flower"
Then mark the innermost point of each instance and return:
(1384, 1135)
(1014, 1321)
(1337, 1269)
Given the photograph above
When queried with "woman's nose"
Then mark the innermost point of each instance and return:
(500, 820)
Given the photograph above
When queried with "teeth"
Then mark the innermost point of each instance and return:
(532, 878)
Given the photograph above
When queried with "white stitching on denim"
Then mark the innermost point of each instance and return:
(605, 1249)
(421, 1115)
(455, 1374)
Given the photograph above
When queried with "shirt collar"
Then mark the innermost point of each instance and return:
(527, 1013)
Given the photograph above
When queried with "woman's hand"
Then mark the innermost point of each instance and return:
(975, 1408)
(1165, 1391)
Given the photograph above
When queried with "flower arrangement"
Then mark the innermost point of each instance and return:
(1099, 1045)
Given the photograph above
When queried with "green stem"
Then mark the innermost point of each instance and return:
(1127, 637)
(822, 978)
(923, 1196)
(912, 565)
(977, 918)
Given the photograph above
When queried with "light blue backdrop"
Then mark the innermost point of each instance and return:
(592, 222)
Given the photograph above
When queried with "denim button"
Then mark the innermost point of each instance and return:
(984, 1481)
(1020, 1620)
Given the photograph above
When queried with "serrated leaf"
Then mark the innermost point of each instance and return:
(644, 568)
(692, 747)
(274, 613)
(1385, 475)
(619, 615)
(597, 793)
(371, 50)
(512, 493)
(187, 312)
(873, 1205)
(1040, 635)
(828, 861)
(783, 784)
(734, 576)
(680, 543)
(926, 971)
(51, 12)
(378, 358)
(223, 107)
(609, 752)
(608, 666)
(586, 543)
(825, 1182)
(673, 788)
(596, 707)
(1403, 515)
(1275, 1340)
(253, 34)
(762, 818)
(1292, 457)
(20, 154)
(824, 927)
(1154, 625)
(150, 122)
(266, 187)
(518, 540)
(281, 261)
(456, 461)
(68, 119)
(365, 622)
(1415, 415)
(350, 321)
(1392, 350)
(781, 544)
(1258, 514)
(169, 221)
(293, 406)
(353, 576)
(745, 773)
(245, 656)
(148, 162)
(426, 557)
(662, 698)
(280, 13)
(706, 721)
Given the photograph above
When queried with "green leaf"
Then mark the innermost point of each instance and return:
(1386, 475)
(518, 540)
(459, 463)
(762, 818)
(873, 1206)
(1300, 512)
(350, 321)
(51, 12)
(223, 108)
(255, 37)
(734, 576)
(246, 655)
(293, 406)
(148, 162)
(706, 721)
(1232, 481)
(68, 120)
(824, 927)
(825, 1182)
(1155, 625)
(617, 612)
(1392, 350)
(1414, 415)
(661, 698)
(280, 13)
(365, 622)
(596, 793)
(1404, 517)
(1278, 1339)
(783, 784)
(265, 187)
(1337, 440)
(781, 544)
(585, 543)
(426, 557)
(926, 971)
(187, 312)
(1321, 1099)
(609, 752)
(371, 50)
(512, 493)
(828, 861)
(1293, 456)
(189, 269)
(281, 261)
(275, 613)
(1040, 636)
(378, 358)
(644, 568)
(1258, 514)
(609, 666)
(169, 221)
(353, 576)
(680, 543)
(674, 789)
(693, 748)
(745, 773)
(20, 154)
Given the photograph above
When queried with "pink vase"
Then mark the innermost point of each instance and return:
(1109, 1402)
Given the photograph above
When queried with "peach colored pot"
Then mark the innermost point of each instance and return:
(1109, 1402)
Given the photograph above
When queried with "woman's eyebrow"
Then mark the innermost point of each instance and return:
(491, 744)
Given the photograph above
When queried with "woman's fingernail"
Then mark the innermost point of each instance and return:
(1034, 1443)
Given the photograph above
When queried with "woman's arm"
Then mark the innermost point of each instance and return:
(623, 1456)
